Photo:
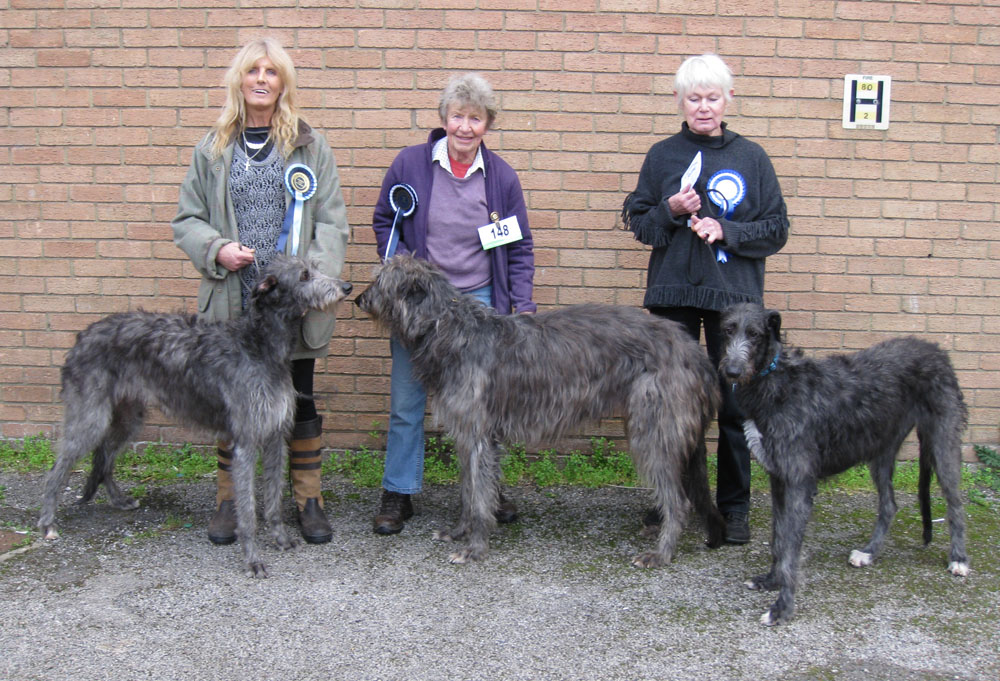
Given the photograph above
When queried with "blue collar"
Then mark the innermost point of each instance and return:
(772, 366)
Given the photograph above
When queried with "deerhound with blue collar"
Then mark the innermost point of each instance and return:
(231, 378)
(808, 419)
(502, 379)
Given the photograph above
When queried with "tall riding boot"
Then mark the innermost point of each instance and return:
(304, 471)
(222, 526)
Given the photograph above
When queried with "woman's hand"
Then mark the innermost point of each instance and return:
(234, 256)
(708, 229)
(685, 202)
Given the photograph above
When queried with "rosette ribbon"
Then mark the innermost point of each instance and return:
(726, 189)
(403, 201)
(300, 181)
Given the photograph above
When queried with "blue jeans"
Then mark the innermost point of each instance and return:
(404, 446)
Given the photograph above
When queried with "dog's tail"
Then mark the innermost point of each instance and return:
(696, 488)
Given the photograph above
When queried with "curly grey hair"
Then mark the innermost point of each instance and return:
(469, 89)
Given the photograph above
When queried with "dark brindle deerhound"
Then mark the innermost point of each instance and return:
(527, 378)
(231, 378)
(811, 418)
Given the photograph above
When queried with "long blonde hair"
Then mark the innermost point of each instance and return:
(232, 119)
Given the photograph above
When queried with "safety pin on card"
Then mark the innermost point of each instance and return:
(499, 232)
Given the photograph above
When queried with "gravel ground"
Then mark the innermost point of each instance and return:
(142, 594)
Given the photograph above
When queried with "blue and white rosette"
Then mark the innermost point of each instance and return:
(726, 189)
(300, 181)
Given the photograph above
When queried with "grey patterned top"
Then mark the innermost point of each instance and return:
(258, 194)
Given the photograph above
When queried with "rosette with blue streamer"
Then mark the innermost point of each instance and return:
(300, 181)
(726, 189)
(403, 201)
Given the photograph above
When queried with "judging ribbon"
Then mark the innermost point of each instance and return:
(403, 201)
(726, 189)
(300, 181)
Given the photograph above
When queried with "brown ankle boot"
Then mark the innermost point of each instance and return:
(394, 510)
(222, 526)
(305, 472)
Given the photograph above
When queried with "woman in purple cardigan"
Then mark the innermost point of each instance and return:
(460, 186)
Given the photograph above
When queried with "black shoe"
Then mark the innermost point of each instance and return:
(737, 527)
(222, 526)
(506, 511)
(395, 509)
(313, 523)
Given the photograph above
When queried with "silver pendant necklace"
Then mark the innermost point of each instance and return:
(248, 145)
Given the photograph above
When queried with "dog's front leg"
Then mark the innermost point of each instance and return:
(246, 505)
(479, 499)
(275, 456)
(768, 581)
(791, 528)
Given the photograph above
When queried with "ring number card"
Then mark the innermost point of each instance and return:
(499, 232)
(866, 102)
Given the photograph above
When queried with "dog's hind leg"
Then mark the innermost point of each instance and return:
(244, 460)
(274, 455)
(126, 421)
(940, 447)
(84, 426)
(881, 471)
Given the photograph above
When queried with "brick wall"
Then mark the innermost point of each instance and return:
(892, 231)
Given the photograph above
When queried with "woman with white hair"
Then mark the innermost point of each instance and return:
(260, 164)
(709, 203)
(460, 187)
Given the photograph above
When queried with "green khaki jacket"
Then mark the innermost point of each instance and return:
(205, 223)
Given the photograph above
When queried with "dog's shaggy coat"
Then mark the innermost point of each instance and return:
(812, 418)
(231, 378)
(529, 378)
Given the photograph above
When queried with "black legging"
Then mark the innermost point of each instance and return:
(733, 483)
(302, 379)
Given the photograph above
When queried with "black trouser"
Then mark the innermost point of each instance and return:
(302, 379)
(733, 483)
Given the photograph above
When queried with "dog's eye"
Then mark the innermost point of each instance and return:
(304, 276)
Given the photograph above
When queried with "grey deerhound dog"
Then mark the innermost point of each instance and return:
(231, 378)
(527, 378)
(808, 419)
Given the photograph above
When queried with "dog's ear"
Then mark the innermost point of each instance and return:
(415, 293)
(774, 324)
(265, 286)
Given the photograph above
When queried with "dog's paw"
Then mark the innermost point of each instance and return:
(441, 535)
(860, 559)
(466, 555)
(124, 503)
(958, 569)
(286, 543)
(767, 619)
(650, 559)
(50, 532)
(763, 582)
(256, 571)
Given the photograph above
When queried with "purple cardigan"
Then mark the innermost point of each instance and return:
(513, 265)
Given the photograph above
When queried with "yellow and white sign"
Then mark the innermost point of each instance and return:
(866, 101)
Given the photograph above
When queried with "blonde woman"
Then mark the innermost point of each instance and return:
(236, 210)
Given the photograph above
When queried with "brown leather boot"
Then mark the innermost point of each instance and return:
(222, 526)
(305, 472)
(393, 511)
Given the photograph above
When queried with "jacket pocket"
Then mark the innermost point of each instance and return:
(317, 328)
